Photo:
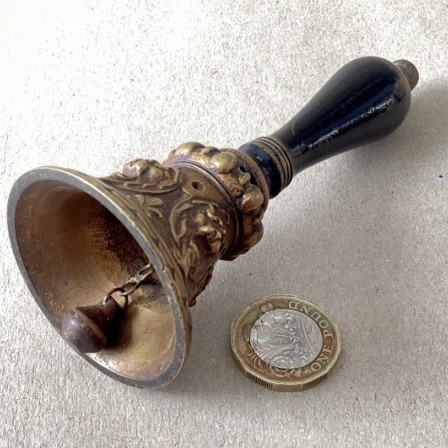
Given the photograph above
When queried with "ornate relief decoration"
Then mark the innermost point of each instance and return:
(225, 166)
(197, 227)
(146, 179)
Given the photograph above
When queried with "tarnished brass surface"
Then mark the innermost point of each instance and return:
(77, 237)
(285, 343)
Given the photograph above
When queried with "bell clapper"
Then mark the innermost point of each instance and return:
(91, 328)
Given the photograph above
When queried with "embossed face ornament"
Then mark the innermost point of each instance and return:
(115, 262)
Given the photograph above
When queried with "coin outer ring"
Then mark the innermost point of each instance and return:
(284, 380)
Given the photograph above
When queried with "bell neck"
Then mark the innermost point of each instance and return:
(365, 100)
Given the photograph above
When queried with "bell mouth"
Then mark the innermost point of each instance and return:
(75, 240)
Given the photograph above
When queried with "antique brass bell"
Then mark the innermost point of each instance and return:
(147, 238)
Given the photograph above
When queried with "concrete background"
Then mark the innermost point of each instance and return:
(92, 84)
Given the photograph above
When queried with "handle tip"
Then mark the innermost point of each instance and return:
(409, 70)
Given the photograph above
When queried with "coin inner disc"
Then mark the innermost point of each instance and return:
(285, 338)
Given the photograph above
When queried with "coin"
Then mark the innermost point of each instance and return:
(285, 343)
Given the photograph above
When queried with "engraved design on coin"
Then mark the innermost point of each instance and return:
(287, 339)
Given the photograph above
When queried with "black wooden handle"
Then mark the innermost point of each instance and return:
(365, 100)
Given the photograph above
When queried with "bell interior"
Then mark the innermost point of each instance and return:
(74, 250)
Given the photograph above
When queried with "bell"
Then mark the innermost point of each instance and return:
(77, 238)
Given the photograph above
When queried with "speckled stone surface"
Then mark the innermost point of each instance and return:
(92, 84)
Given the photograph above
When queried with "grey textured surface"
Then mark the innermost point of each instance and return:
(91, 85)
